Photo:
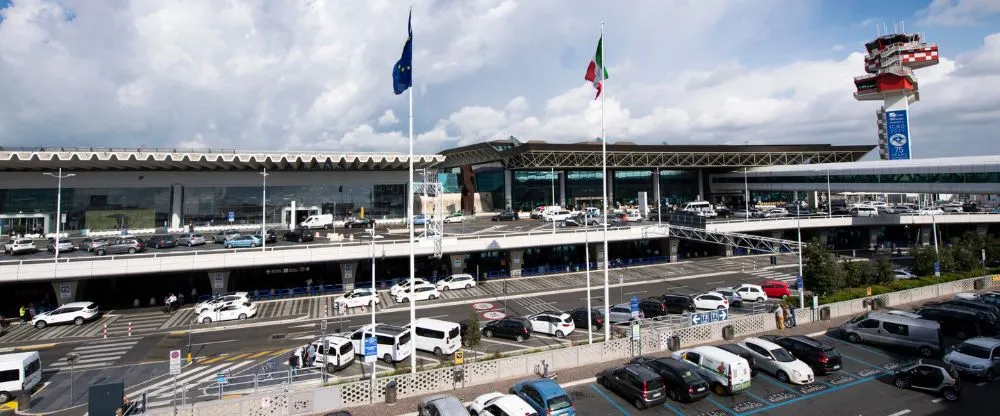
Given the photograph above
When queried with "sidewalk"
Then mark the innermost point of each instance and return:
(585, 375)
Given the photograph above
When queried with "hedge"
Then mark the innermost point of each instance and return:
(898, 285)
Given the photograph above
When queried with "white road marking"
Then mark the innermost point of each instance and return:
(901, 412)
(578, 382)
(215, 342)
(937, 400)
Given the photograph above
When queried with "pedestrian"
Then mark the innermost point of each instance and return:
(293, 362)
(23, 314)
(786, 311)
(779, 317)
(312, 354)
(194, 294)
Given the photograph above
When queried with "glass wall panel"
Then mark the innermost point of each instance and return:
(90, 208)
(489, 180)
(628, 184)
(970, 177)
(532, 188)
(583, 188)
(678, 186)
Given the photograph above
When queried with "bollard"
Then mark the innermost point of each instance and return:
(105, 331)
(326, 310)
(129, 329)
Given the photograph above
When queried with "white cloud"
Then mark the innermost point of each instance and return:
(388, 118)
(958, 12)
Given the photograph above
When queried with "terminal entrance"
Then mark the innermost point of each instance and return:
(23, 223)
(301, 213)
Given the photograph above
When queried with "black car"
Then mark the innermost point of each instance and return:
(823, 358)
(360, 223)
(653, 307)
(929, 375)
(682, 384)
(962, 323)
(677, 303)
(635, 383)
(723, 212)
(512, 327)
(270, 236)
(161, 241)
(504, 216)
(579, 316)
(299, 235)
(743, 353)
(972, 304)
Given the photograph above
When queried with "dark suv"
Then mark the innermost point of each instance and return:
(681, 383)
(579, 316)
(512, 327)
(299, 235)
(677, 303)
(161, 241)
(972, 304)
(962, 323)
(270, 236)
(742, 353)
(121, 245)
(653, 307)
(635, 383)
(823, 358)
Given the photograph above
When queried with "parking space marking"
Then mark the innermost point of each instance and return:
(862, 362)
(605, 396)
(670, 407)
(901, 412)
(804, 397)
(779, 384)
(717, 404)
(512, 344)
(860, 347)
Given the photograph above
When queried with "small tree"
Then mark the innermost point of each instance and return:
(821, 273)
(472, 335)
(923, 261)
(883, 268)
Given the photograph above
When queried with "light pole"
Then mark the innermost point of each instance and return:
(798, 228)
(586, 251)
(552, 179)
(937, 258)
(829, 196)
(372, 305)
(263, 210)
(60, 177)
(746, 196)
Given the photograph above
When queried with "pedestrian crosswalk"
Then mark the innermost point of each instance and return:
(190, 383)
(769, 274)
(56, 332)
(531, 305)
(95, 354)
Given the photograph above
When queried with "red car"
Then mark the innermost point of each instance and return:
(776, 289)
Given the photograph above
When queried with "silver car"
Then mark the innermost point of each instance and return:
(735, 300)
(978, 357)
(190, 239)
(91, 244)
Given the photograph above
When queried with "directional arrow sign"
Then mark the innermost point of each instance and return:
(723, 314)
(695, 319)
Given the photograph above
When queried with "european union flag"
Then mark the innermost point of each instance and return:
(402, 73)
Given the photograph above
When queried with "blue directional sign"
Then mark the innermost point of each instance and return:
(232, 216)
(798, 283)
(371, 347)
(937, 268)
(220, 378)
(699, 318)
(634, 306)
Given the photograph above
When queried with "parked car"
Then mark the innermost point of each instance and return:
(441, 405)
(776, 289)
(579, 316)
(499, 404)
(504, 216)
(511, 327)
(359, 223)
(737, 349)
(358, 297)
(64, 246)
(635, 383)
(243, 241)
(677, 303)
(221, 300)
(723, 212)
(299, 235)
(76, 313)
(419, 219)
(710, 300)
(404, 286)
(822, 357)
(895, 330)
(92, 243)
(902, 274)
(231, 312)
(653, 307)
(552, 323)
(130, 245)
(774, 359)
(270, 236)
(20, 246)
(545, 396)
(191, 239)
(681, 384)
(622, 312)
(960, 322)
(161, 241)
(425, 291)
(931, 376)
(457, 281)
(979, 357)
(992, 298)
(734, 298)
(221, 236)
(454, 217)
(750, 292)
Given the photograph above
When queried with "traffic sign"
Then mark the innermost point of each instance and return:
(232, 216)
(634, 306)
(322, 325)
(371, 349)
(937, 268)
(636, 330)
(459, 358)
(709, 317)
(798, 283)
(175, 362)
(220, 378)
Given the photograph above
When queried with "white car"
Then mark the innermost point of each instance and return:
(19, 246)
(903, 274)
(930, 211)
(404, 286)
(776, 213)
(499, 404)
(358, 297)
(454, 218)
(774, 359)
(64, 246)
(711, 300)
(751, 292)
(222, 300)
(75, 312)
(457, 281)
(231, 312)
(552, 323)
(554, 216)
(422, 291)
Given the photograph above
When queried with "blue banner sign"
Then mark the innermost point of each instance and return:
(371, 347)
(699, 318)
(634, 306)
(897, 131)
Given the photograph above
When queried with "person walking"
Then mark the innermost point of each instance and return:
(23, 314)
(779, 317)
(786, 311)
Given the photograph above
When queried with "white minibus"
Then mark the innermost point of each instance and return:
(437, 336)
(18, 372)
(393, 342)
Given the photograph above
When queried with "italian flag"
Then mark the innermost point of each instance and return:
(596, 72)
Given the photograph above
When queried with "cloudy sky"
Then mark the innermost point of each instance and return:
(316, 75)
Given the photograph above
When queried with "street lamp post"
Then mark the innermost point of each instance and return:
(829, 196)
(372, 305)
(59, 176)
(552, 179)
(798, 228)
(746, 195)
(263, 210)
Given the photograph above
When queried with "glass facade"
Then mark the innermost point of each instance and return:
(969, 177)
(628, 183)
(85, 208)
(489, 180)
(583, 188)
(531, 188)
(678, 186)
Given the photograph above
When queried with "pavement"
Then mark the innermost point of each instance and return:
(862, 387)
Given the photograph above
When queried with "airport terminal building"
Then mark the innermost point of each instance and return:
(113, 189)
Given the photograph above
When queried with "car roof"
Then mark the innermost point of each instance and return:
(75, 304)
(984, 342)
(711, 293)
(768, 345)
(641, 371)
(446, 403)
(545, 386)
(809, 341)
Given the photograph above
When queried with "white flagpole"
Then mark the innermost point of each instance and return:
(604, 176)
(409, 220)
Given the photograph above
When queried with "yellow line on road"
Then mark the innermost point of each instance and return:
(211, 360)
(260, 354)
(279, 352)
(237, 357)
(35, 347)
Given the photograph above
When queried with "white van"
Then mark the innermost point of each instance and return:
(727, 372)
(318, 221)
(393, 342)
(19, 371)
(864, 211)
(633, 215)
(436, 336)
(339, 357)
(699, 208)
(552, 216)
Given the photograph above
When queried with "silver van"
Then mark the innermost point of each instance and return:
(894, 330)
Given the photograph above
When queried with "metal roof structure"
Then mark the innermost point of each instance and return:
(532, 155)
(932, 165)
(114, 159)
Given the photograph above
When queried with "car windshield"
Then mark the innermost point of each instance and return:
(559, 403)
(690, 377)
(973, 350)
(782, 355)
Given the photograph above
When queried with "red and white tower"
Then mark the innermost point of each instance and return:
(889, 65)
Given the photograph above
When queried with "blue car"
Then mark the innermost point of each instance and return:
(545, 396)
(419, 219)
(243, 241)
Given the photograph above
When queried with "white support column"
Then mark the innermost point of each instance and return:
(656, 188)
(507, 194)
(66, 291)
(347, 273)
(516, 263)
(701, 184)
(218, 280)
(562, 188)
(176, 205)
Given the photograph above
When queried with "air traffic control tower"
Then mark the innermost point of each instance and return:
(889, 64)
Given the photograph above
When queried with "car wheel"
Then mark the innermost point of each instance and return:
(432, 297)
(990, 376)
(40, 324)
(243, 316)
(950, 394)
(78, 321)
(100, 252)
(853, 338)
(444, 288)
(594, 328)
(331, 368)
(229, 246)
(761, 299)
(387, 358)
(721, 307)
(468, 286)
(488, 333)
(719, 389)
(560, 334)
(4, 397)
(639, 404)
(252, 245)
(438, 352)
(300, 239)
(189, 244)
(206, 320)
(782, 376)
(371, 304)
(131, 250)
(404, 300)
(926, 352)
(519, 338)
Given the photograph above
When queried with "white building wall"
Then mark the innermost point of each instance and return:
(87, 179)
